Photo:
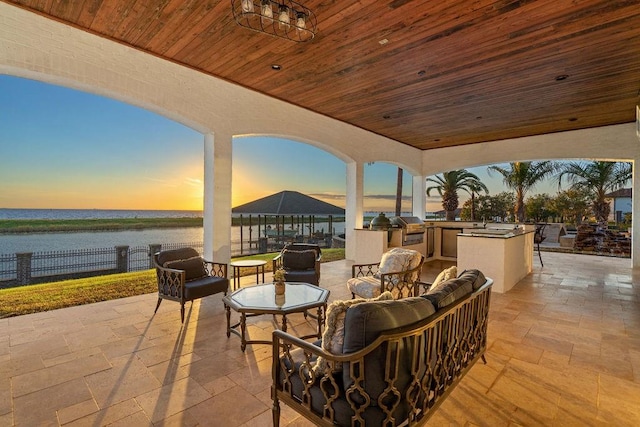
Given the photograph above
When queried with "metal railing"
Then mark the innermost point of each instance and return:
(57, 263)
(30, 268)
(40, 267)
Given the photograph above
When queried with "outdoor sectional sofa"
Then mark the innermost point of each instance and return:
(399, 360)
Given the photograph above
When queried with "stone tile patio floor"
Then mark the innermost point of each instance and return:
(564, 349)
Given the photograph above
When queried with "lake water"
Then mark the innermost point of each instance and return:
(94, 213)
(43, 242)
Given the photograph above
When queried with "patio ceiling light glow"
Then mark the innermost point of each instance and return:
(285, 19)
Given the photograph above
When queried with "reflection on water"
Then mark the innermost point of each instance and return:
(44, 242)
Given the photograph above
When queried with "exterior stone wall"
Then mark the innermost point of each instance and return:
(599, 239)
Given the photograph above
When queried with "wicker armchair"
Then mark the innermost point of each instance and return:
(301, 262)
(397, 272)
(184, 276)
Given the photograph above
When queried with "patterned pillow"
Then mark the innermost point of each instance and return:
(333, 335)
(193, 267)
(399, 259)
(446, 274)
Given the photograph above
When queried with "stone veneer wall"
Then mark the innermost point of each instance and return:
(599, 239)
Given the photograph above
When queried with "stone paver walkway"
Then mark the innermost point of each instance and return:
(564, 349)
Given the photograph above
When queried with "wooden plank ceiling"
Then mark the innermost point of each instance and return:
(451, 72)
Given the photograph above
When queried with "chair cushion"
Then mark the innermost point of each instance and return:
(333, 335)
(307, 276)
(205, 286)
(298, 260)
(193, 267)
(364, 287)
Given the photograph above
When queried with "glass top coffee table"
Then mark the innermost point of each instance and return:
(261, 299)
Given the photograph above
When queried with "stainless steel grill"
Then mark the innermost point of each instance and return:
(413, 229)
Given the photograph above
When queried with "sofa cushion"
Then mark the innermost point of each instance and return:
(193, 267)
(298, 260)
(448, 292)
(365, 322)
(333, 335)
(475, 276)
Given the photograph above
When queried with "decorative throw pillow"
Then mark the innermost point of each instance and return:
(397, 260)
(193, 267)
(299, 260)
(333, 335)
(446, 274)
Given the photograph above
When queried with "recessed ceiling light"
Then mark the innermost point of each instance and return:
(562, 77)
(422, 72)
(383, 41)
(276, 67)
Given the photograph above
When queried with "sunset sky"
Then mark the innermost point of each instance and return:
(62, 148)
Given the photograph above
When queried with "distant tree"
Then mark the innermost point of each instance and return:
(597, 178)
(498, 207)
(502, 206)
(449, 183)
(571, 205)
(538, 208)
(522, 177)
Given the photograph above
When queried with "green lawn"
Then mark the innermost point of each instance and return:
(68, 293)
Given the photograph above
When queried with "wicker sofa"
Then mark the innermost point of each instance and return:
(399, 360)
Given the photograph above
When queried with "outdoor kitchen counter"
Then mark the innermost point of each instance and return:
(371, 244)
(504, 255)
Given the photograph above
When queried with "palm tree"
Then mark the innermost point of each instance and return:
(399, 192)
(476, 187)
(522, 177)
(597, 178)
(448, 184)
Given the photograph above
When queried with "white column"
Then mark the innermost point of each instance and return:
(635, 225)
(419, 204)
(217, 197)
(353, 212)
